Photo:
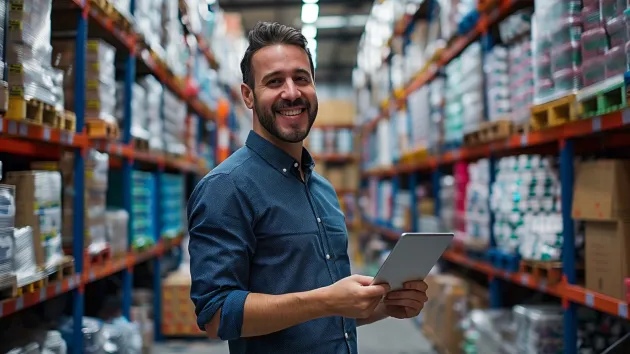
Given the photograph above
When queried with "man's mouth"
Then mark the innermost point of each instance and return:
(291, 112)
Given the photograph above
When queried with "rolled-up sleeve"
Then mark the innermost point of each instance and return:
(222, 242)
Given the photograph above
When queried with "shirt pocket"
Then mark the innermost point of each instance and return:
(337, 235)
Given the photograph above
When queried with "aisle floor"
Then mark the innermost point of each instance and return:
(389, 336)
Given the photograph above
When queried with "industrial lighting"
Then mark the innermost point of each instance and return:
(309, 31)
(312, 45)
(310, 1)
(310, 13)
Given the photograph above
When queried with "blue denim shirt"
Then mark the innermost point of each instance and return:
(256, 227)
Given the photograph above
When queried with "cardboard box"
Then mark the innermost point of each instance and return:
(178, 311)
(607, 257)
(335, 112)
(602, 190)
(446, 307)
(335, 176)
(351, 176)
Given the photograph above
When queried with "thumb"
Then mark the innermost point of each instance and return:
(375, 290)
(362, 279)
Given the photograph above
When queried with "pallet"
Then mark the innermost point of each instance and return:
(602, 98)
(549, 270)
(141, 144)
(8, 287)
(101, 257)
(521, 128)
(32, 286)
(62, 270)
(69, 121)
(489, 131)
(102, 129)
(504, 261)
(554, 113)
(32, 111)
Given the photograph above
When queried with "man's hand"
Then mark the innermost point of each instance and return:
(354, 296)
(407, 302)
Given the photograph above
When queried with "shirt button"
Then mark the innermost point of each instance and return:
(295, 164)
(319, 220)
(284, 170)
(347, 336)
(327, 256)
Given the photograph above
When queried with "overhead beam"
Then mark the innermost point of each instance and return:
(243, 5)
(339, 36)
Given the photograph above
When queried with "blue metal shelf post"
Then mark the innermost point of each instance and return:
(395, 186)
(413, 182)
(436, 176)
(495, 282)
(127, 167)
(568, 247)
(79, 184)
(157, 268)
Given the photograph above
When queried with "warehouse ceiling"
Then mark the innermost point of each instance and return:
(340, 24)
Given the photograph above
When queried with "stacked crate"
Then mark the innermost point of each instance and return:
(172, 196)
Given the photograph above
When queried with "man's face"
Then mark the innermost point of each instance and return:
(284, 98)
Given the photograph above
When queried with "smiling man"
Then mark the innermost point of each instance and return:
(268, 241)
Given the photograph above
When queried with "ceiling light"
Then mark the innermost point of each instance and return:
(309, 31)
(310, 1)
(312, 45)
(310, 13)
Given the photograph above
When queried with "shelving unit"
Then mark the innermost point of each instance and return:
(19, 138)
(567, 141)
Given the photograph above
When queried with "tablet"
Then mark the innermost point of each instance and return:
(412, 258)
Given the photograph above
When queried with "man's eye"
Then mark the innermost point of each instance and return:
(275, 81)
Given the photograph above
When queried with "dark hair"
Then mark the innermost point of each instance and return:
(265, 34)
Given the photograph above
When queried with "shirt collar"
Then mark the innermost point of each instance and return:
(277, 157)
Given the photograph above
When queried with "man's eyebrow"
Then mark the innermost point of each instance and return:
(277, 72)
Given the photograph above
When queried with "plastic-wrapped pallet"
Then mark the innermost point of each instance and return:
(28, 55)
(525, 200)
(138, 110)
(174, 124)
(117, 222)
(447, 203)
(464, 94)
(39, 193)
(540, 328)
(489, 331)
(521, 76)
(557, 44)
(477, 206)
(418, 102)
(148, 23)
(498, 80)
(93, 336)
(172, 39)
(24, 264)
(154, 92)
(100, 75)
(436, 110)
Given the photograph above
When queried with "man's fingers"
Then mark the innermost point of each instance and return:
(375, 290)
(410, 303)
(416, 285)
(407, 294)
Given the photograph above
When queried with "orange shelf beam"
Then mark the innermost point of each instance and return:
(90, 274)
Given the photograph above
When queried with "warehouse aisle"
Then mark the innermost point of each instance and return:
(385, 337)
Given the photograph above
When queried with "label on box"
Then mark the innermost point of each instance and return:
(15, 25)
(6, 247)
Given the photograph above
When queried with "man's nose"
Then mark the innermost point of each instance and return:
(291, 91)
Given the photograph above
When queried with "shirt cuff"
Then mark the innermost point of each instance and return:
(232, 315)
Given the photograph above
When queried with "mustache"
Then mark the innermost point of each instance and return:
(283, 104)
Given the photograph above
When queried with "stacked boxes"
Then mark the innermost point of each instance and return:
(600, 198)
(526, 203)
(521, 76)
(174, 124)
(143, 204)
(172, 196)
(7, 221)
(39, 206)
(172, 39)
(29, 56)
(178, 312)
(100, 74)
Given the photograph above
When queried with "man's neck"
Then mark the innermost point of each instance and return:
(293, 149)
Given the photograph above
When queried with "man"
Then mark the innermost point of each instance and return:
(268, 241)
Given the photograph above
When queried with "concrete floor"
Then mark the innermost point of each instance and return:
(389, 336)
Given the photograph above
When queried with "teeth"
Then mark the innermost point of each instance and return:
(293, 112)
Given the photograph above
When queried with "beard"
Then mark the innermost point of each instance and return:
(267, 118)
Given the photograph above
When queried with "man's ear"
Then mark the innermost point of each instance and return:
(248, 96)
